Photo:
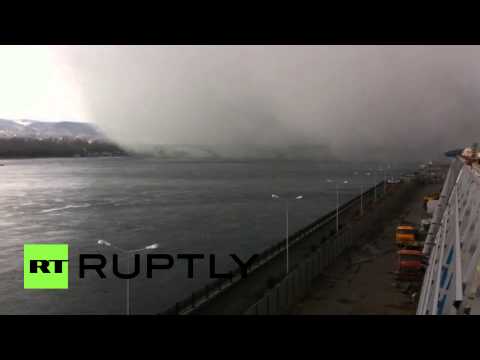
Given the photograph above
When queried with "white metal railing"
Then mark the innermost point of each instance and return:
(452, 279)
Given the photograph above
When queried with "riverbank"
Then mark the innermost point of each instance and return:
(17, 147)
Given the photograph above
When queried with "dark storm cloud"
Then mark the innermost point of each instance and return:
(363, 101)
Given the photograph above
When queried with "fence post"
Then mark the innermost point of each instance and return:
(327, 253)
(265, 299)
(335, 248)
(277, 298)
(330, 251)
(303, 279)
(332, 255)
(288, 287)
(320, 261)
(277, 301)
(296, 284)
(312, 266)
(324, 256)
(307, 273)
(307, 266)
(281, 299)
(340, 245)
(337, 245)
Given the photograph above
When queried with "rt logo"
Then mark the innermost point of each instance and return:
(45, 266)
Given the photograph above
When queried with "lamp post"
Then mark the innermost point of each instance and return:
(369, 173)
(361, 195)
(384, 181)
(299, 197)
(361, 200)
(123, 251)
(338, 201)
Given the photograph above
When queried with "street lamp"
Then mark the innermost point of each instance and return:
(374, 183)
(299, 197)
(338, 200)
(384, 181)
(361, 195)
(361, 199)
(149, 247)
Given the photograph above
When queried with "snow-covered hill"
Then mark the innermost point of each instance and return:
(40, 130)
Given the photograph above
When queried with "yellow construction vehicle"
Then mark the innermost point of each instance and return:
(406, 236)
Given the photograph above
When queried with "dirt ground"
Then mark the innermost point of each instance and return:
(362, 280)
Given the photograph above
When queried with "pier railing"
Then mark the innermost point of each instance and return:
(298, 282)
(213, 289)
(452, 278)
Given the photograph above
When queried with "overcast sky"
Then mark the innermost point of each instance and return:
(402, 99)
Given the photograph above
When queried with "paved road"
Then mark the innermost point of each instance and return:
(368, 287)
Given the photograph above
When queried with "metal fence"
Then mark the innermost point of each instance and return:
(211, 290)
(298, 282)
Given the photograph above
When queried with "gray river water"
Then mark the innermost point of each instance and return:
(195, 207)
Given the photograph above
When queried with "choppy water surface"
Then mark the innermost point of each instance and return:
(207, 207)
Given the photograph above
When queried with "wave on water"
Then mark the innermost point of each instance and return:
(65, 207)
(27, 203)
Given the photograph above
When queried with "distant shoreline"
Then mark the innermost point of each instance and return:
(24, 148)
(142, 156)
(59, 157)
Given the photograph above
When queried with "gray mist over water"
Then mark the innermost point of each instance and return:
(363, 102)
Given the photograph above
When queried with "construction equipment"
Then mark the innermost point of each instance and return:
(411, 265)
(406, 237)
